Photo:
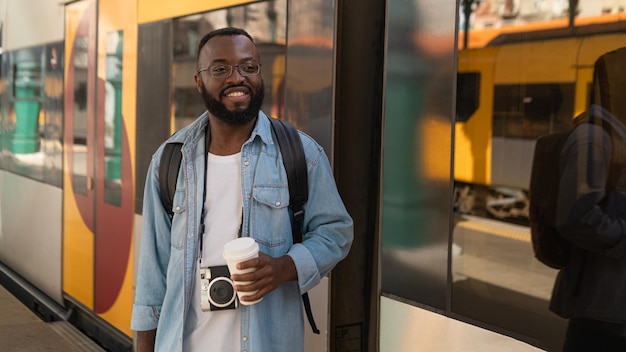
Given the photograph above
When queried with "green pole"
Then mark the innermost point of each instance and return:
(406, 221)
(27, 104)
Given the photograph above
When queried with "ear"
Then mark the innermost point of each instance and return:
(199, 83)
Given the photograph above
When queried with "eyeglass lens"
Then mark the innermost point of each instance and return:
(224, 71)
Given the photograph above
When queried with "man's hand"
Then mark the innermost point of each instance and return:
(270, 272)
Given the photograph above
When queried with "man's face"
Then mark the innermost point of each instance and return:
(237, 99)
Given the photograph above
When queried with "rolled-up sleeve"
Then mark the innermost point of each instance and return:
(327, 225)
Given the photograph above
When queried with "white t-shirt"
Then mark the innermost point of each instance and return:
(216, 330)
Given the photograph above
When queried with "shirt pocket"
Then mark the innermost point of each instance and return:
(179, 220)
(271, 224)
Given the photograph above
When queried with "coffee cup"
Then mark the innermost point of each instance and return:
(240, 250)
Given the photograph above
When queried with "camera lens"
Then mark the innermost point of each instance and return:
(221, 292)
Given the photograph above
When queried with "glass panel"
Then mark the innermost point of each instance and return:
(113, 119)
(264, 21)
(536, 76)
(81, 78)
(416, 151)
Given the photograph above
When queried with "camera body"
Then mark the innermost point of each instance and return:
(217, 291)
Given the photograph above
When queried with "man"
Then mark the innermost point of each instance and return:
(242, 192)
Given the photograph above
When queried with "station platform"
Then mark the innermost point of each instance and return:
(23, 331)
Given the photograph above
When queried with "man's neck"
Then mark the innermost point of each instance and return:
(227, 139)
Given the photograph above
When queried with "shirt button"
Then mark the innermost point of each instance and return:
(246, 163)
(177, 208)
(244, 339)
(277, 204)
(190, 235)
(248, 196)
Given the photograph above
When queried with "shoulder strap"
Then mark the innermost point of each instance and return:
(295, 165)
(168, 173)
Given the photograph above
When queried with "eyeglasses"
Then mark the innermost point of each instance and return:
(224, 71)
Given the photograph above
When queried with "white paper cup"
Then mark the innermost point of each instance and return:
(240, 250)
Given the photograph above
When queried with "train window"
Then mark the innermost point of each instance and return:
(32, 95)
(80, 113)
(53, 114)
(467, 94)
(531, 110)
(113, 119)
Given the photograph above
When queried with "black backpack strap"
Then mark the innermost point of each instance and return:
(295, 165)
(168, 173)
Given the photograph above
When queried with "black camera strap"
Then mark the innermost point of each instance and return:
(202, 214)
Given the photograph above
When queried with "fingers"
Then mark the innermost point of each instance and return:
(261, 260)
(259, 288)
(268, 273)
(256, 294)
(263, 279)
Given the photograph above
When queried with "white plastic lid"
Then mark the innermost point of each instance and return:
(239, 248)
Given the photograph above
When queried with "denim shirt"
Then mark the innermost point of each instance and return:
(169, 248)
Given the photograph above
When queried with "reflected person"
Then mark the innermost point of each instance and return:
(591, 213)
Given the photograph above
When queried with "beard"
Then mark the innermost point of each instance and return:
(237, 118)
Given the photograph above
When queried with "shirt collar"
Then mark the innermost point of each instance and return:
(263, 129)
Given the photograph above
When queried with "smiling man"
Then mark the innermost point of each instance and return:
(232, 184)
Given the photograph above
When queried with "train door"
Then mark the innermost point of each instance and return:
(98, 193)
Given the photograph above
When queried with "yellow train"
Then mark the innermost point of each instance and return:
(520, 86)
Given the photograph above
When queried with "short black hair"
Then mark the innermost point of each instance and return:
(227, 31)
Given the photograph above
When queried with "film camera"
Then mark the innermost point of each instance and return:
(216, 289)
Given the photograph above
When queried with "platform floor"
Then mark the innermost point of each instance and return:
(23, 331)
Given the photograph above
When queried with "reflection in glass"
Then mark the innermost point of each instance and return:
(590, 288)
(27, 84)
(24, 117)
(53, 115)
(31, 110)
(532, 110)
(416, 151)
(534, 81)
(481, 21)
(81, 77)
(113, 119)
(4, 106)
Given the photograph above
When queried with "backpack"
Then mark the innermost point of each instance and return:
(294, 162)
(549, 246)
